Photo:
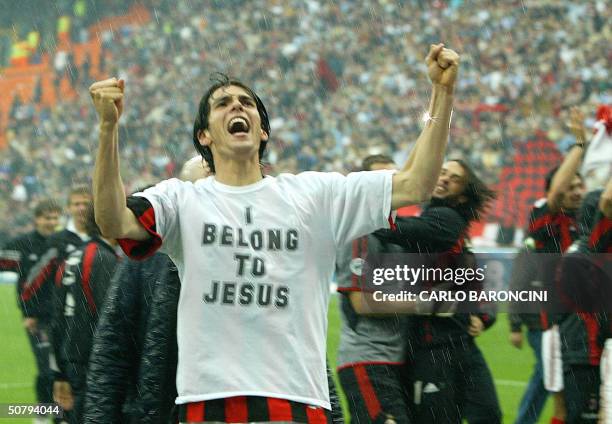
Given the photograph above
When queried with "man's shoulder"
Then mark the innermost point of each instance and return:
(63, 242)
(308, 176)
(62, 237)
(305, 181)
(21, 240)
(171, 184)
(328, 178)
(540, 205)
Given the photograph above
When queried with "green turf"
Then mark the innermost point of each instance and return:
(17, 366)
(510, 367)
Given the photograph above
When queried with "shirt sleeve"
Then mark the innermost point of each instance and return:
(157, 211)
(360, 204)
(10, 258)
(438, 229)
(349, 265)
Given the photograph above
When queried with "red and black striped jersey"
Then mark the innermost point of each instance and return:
(551, 232)
(240, 409)
(143, 210)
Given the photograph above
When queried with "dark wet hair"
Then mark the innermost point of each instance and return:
(46, 206)
(201, 121)
(477, 193)
(550, 175)
(367, 163)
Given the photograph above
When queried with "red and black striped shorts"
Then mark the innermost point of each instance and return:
(247, 409)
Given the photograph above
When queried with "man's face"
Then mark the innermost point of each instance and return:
(234, 125)
(46, 224)
(573, 196)
(78, 207)
(451, 182)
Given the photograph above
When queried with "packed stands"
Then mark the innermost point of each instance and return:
(341, 80)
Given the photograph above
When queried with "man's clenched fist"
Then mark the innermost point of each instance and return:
(107, 98)
(442, 66)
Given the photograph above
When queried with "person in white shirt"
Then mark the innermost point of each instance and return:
(255, 253)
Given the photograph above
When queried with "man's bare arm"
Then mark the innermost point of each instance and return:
(562, 179)
(415, 182)
(112, 214)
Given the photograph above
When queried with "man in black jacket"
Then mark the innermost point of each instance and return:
(80, 289)
(18, 256)
(448, 374)
(132, 368)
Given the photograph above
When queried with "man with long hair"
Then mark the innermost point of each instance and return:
(447, 374)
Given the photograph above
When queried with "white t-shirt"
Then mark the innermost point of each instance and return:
(255, 264)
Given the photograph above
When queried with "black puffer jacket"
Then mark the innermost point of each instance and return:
(126, 385)
(132, 367)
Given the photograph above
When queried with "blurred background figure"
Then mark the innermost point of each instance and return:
(80, 287)
(18, 257)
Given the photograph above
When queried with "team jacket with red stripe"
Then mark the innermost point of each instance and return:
(80, 289)
(550, 233)
(19, 256)
(37, 290)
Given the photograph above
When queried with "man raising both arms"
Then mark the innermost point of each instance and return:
(255, 254)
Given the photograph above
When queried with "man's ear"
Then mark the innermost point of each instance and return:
(264, 135)
(204, 138)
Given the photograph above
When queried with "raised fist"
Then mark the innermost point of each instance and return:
(442, 66)
(107, 97)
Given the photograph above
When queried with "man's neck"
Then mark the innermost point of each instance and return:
(75, 227)
(238, 172)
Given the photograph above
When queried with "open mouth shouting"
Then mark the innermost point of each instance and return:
(238, 126)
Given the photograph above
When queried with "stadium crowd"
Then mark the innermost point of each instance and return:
(342, 81)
